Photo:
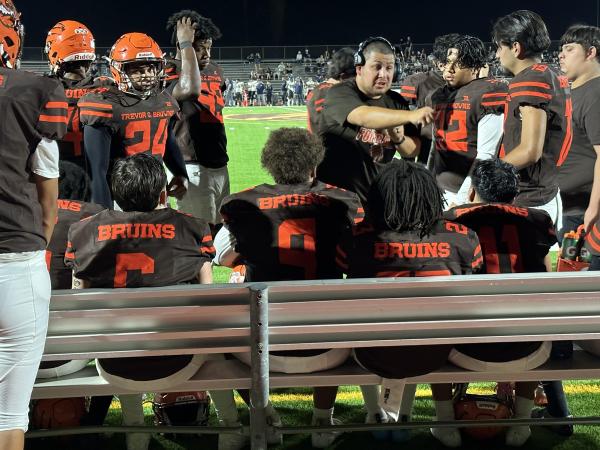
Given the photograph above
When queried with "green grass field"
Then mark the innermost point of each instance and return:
(247, 130)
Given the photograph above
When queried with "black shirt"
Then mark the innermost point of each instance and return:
(349, 149)
(576, 175)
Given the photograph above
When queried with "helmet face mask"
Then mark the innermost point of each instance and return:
(69, 41)
(12, 33)
(132, 59)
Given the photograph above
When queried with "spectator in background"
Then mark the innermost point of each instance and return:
(290, 92)
(250, 58)
(299, 92)
(229, 92)
(268, 73)
(260, 93)
(251, 92)
(284, 91)
(239, 91)
(269, 93)
(299, 57)
(280, 70)
(257, 59)
(327, 55)
(307, 58)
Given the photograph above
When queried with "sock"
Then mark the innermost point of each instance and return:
(444, 410)
(523, 407)
(322, 413)
(371, 396)
(518, 435)
(225, 405)
(410, 391)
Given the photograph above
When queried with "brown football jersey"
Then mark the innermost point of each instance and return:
(69, 212)
(314, 106)
(31, 108)
(540, 87)
(137, 126)
(71, 146)
(201, 132)
(593, 240)
(513, 239)
(138, 249)
(451, 249)
(290, 232)
(457, 113)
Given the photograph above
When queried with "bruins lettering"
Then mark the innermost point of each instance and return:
(284, 201)
(136, 231)
(67, 205)
(388, 250)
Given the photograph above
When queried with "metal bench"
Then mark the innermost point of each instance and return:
(320, 314)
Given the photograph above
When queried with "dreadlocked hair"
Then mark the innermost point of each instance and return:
(471, 52)
(405, 197)
(205, 28)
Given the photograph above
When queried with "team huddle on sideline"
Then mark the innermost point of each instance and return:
(458, 173)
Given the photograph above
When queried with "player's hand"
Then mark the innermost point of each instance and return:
(589, 218)
(185, 30)
(421, 116)
(177, 187)
(396, 134)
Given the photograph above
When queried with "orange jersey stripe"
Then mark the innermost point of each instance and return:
(57, 105)
(95, 105)
(566, 146)
(205, 249)
(493, 103)
(70, 255)
(529, 84)
(477, 262)
(95, 113)
(495, 94)
(404, 94)
(318, 102)
(54, 119)
(206, 238)
(530, 93)
(408, 88)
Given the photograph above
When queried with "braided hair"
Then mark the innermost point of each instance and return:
(405, 197)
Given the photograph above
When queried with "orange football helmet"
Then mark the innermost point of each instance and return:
(68, 41)
(12, 33)
(135, 48)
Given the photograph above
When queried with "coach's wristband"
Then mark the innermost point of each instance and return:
(185, 44)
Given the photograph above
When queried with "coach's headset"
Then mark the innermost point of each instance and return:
(360, 60)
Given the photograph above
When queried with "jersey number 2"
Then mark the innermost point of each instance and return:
(446, 139)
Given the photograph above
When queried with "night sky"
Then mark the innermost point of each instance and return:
(298, 22)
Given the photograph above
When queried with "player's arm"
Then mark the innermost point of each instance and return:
(190, 81)
(225, 254)
(176, 164)
(97, 141)
(378, 118)
(205, 276)
(489, 134)
(592, 213)
(533, 133)
(44, 165)
(406, 146)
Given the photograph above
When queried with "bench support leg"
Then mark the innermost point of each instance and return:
(259, 395)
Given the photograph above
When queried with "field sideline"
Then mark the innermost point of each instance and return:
(247, 130)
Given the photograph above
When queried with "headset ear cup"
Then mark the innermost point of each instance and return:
(358, 59)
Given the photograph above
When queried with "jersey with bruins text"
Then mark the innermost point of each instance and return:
(457, 113)
(201, 132)
(314, 106)
(31, 108)
(71, 146)
(513, 239)
(138, 249)
(137, 125)
(451, 249)
(290, 232)
(538, 86)
(354, 155)
(69, 212)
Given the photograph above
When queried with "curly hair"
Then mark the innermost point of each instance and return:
(291, 154)
(405, 197)
(441, 46)
(205, 28)
(342, 64)
(471, 52)
(495, 181)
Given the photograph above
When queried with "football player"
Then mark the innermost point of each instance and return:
(144, 245)
(468, 118)
(405, 235)
(198, 84)
(418, 87)
(537, 129)
(341, 68)
(514, 239)
(34, 116)
(70, 49)
(135, 116)
(593, 243)
(289, 231)
(579, 176)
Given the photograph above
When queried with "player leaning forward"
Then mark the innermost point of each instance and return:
(34, 116)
